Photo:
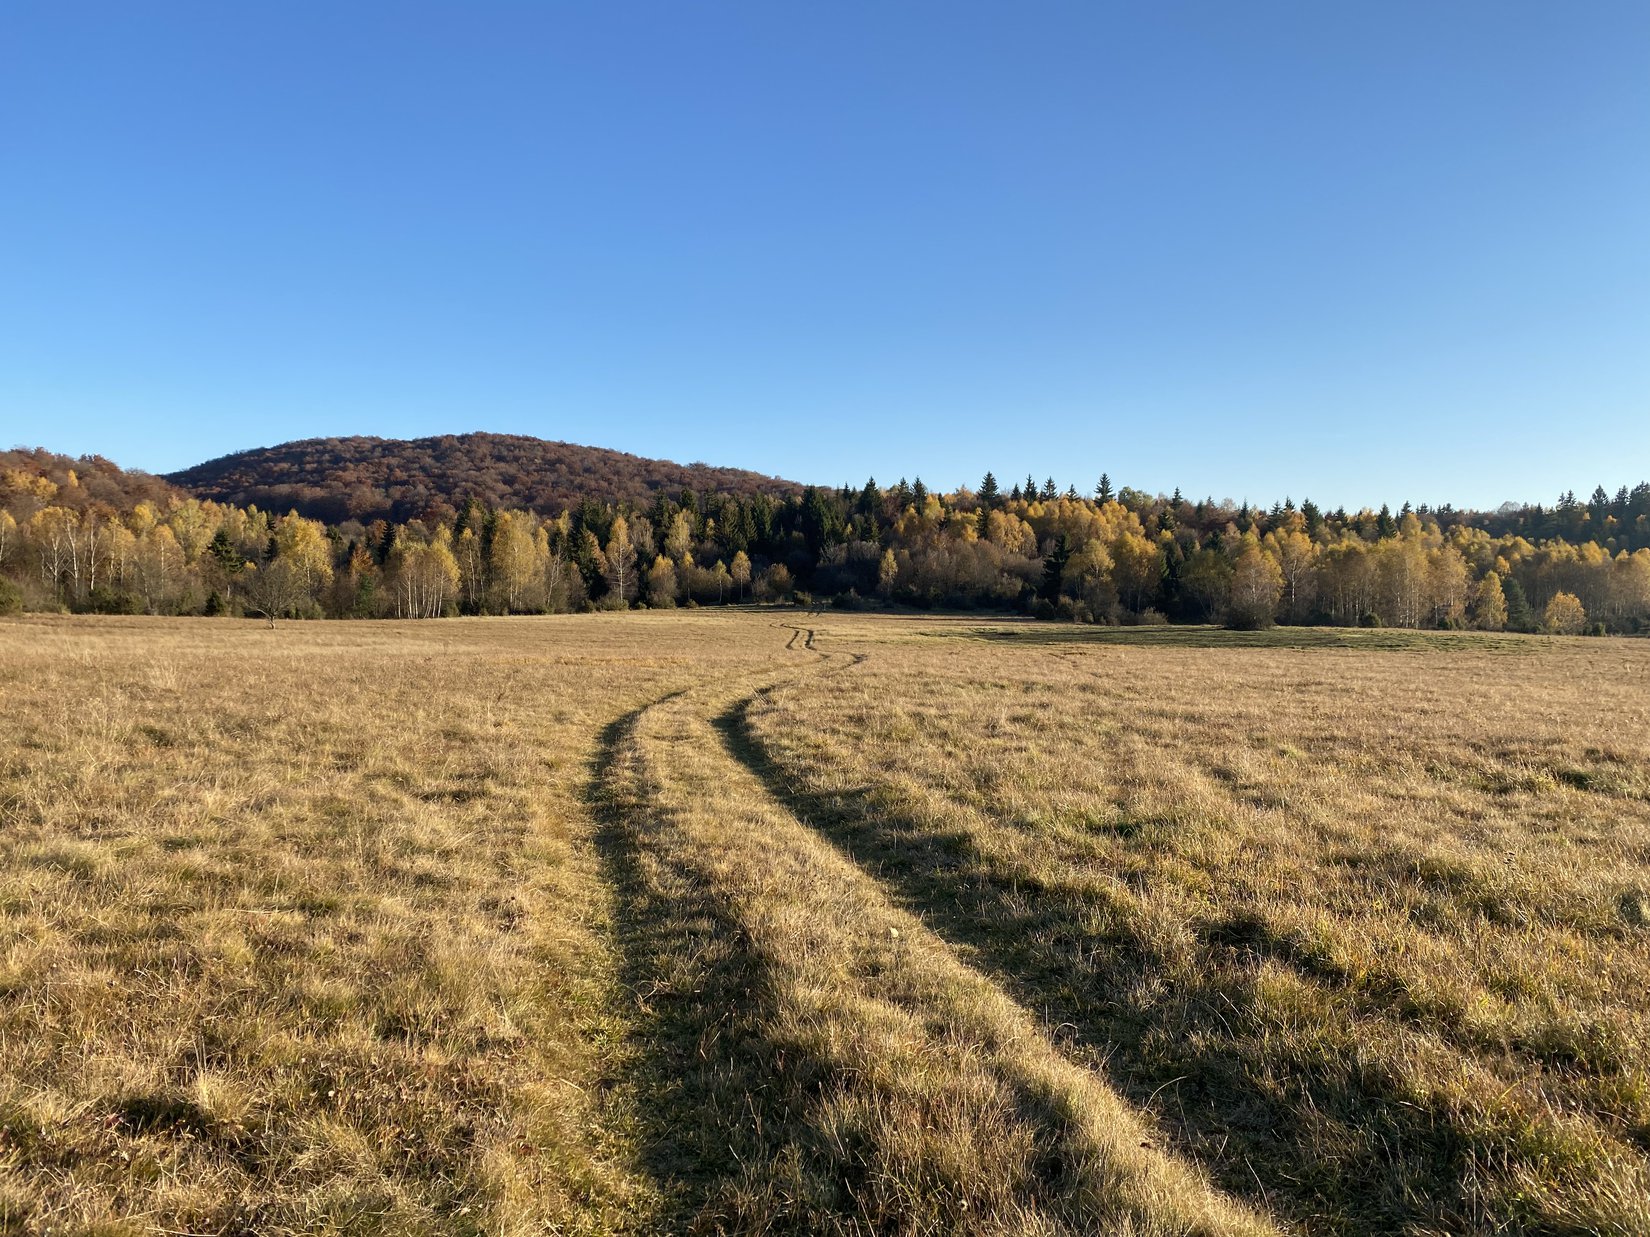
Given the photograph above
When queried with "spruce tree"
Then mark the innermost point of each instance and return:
(1054, 567)
(228, 557)
(870, 498)
(1520, 617)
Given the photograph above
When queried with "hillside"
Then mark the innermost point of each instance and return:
(76, 482)
(366, 479)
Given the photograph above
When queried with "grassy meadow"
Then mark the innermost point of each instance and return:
(762, 921)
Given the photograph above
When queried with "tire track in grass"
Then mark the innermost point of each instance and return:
(1063, 937)
(810, 1058)
(692, 987)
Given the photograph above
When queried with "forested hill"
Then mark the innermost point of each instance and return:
(545, 527)
(366, 479)
(80, 482)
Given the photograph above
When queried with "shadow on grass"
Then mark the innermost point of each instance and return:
(1329, 1144)
(715, 1099)
(729, 1109)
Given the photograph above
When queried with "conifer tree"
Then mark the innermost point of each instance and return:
(870, 498)
(989, 496)
(1054, 567)
(1520, 616)
(1312, 516)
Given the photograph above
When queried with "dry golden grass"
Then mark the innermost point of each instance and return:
(751, 922)
(1363, 928)
(828, 1063)
(302, 930)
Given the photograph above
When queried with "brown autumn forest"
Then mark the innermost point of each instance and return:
(491, 524)
(367, 479)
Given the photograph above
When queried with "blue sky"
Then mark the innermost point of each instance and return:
(1361, 251)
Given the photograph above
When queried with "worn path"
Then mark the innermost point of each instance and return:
(814, 1057)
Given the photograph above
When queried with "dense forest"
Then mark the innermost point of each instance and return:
(367, 479)
(82, 535)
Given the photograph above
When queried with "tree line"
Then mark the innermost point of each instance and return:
(1110, 556)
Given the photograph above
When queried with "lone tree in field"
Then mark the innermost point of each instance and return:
(274, 590)
(1564, 615)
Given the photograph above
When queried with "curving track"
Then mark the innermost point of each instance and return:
(813, 1057)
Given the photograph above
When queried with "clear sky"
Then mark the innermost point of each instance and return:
(1357, 251)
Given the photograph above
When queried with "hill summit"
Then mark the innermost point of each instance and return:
(366, 478)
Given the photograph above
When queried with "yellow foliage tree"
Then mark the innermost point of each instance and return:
(661, 583)
(1489, 604)
(304, 545)
(513, 561)
(1564, 615)
(1257, 584)
(740, 570)
(620, 554)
